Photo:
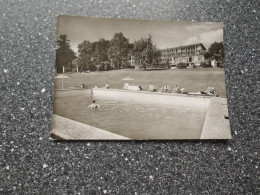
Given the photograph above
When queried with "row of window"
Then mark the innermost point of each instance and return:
(180, 54)
(177, 50)
(192, 59)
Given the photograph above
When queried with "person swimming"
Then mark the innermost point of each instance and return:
(94, 106)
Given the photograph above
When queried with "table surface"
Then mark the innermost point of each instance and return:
(31, 163)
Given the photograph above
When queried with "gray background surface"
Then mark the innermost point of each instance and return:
(30, 163)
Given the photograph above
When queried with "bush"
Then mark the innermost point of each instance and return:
(128, 66)
(162, 65)
(205, 65)
(181, 65)
(102, 67)
(92, 67)
(220, 64)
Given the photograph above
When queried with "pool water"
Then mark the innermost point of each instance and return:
(132, 119)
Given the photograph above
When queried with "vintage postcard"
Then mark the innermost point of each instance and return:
(126, 79)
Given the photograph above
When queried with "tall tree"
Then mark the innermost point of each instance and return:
(85, 48)
(139, 48)
(157, 57)
(101, 49)
(118, 50)
(85, 51)
(145, 52)
(64, 54)
(63, 42)
(216, 51)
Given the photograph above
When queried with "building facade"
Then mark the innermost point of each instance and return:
(190, 54)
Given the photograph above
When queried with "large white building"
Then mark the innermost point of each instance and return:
(190, 54)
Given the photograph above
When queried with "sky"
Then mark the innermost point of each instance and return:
(165, 34)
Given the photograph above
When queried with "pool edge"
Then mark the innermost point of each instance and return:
(215, 125)
(67, 129)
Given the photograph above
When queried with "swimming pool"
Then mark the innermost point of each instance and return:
(136, 116)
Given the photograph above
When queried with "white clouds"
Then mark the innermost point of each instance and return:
(164, 33)
(198, 27)
(206, 38)
(192, 40)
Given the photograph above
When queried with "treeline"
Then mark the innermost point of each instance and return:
(106, 55)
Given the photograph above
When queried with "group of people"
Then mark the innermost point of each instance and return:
(174, 90)
(210, 91)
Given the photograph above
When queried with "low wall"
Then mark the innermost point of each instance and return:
(154, 97)
(67, 129)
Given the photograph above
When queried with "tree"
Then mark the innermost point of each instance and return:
(139, 52)
(104, 66)
(149, 52)
(118, 50)
(101, 49)
(157, 57)
(64, 54)
(100, 53)
(145, 53)
(216, 51)
(167, 64)
(85, 48)
(85, 51)
(63, 42)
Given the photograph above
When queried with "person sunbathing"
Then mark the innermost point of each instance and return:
(210, 91)
(94, 106)
(83, 85)
(165, 89)
(176, 89)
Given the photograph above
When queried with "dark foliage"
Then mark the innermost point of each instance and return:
(205, 65)
(64, 55)
(181, 65)
(216, 51)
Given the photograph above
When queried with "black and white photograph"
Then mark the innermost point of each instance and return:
(129, 79)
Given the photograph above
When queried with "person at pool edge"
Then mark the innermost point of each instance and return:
(94, 106)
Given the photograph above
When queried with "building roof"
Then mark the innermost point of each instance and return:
(182, 46)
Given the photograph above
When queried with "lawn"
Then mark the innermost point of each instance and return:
(192, 80)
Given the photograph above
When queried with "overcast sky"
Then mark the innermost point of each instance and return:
(164, 33)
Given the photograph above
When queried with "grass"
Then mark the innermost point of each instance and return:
(192, 80)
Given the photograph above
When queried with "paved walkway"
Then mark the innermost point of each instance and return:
(215, 125)
(68, 129)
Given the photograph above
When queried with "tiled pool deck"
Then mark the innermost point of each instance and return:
(67, 129)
